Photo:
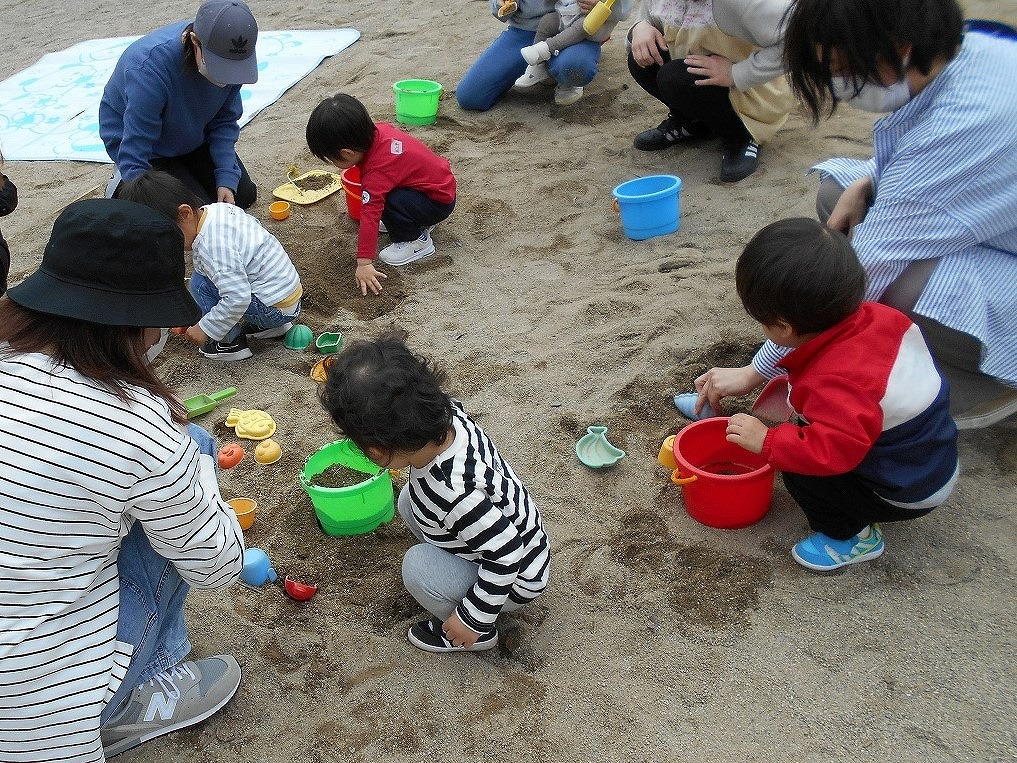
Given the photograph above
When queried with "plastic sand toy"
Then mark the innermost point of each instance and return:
(298, 337)
(267, 452)
(307, 188)
(595, 451)
(258, 570)
(201, 404)
(320, 370)
(328, 342)
(251, 425)
(230, 455)
(244, 509)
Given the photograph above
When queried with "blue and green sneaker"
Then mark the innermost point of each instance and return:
(822, 553)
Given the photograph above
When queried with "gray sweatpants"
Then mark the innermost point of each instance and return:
(437, 579)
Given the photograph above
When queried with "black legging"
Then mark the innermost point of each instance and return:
(197, 172)
(698, 108)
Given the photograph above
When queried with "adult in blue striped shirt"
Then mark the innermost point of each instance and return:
(933, 216)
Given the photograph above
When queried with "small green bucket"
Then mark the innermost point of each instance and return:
(416, 101)
(349, 510)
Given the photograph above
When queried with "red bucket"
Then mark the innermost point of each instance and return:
(350, 180)
(723, 485)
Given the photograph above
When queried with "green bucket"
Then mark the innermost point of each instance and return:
(416, 101)
(349, 510)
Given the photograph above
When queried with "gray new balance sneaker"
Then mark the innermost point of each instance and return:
(182, 696)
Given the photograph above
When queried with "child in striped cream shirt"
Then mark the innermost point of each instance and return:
(243, 280)
(483, 548)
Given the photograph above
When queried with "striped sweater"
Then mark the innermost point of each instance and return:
(77, 467)
(945, 174)
(235, 252)
(469, 502)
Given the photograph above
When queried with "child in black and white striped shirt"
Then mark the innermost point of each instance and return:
(483, 547)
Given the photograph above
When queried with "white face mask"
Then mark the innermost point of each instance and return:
(872, 97)
(153, 352)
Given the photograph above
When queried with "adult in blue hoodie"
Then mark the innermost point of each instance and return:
(173, 103)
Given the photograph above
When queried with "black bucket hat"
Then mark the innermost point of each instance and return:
(111, 262)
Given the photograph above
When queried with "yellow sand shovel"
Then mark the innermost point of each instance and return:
(595, 19)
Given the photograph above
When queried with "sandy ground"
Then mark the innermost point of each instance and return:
(659, 638)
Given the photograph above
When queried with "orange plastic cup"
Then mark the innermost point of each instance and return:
(244, 508)
(279, 210)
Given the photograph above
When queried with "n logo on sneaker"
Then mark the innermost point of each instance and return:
(161, 704)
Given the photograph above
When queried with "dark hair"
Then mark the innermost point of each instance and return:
(865, 34)
(336, 123)
(801, 272)
(382, 395)
(112, 356)
(190, 60)
(160, 191)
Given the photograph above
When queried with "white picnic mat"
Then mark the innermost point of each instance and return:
(50, 111)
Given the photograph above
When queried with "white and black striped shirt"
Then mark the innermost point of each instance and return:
(77, 467)
(469, 502)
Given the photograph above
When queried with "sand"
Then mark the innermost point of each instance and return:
(659, 638)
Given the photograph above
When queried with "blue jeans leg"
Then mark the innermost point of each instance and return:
(151, 614)
(495, 71)
(576, 65)
(152, 597)
(258, 314)
(408, 212)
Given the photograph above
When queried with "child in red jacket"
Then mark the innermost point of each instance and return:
(869, 436)
(405, 185)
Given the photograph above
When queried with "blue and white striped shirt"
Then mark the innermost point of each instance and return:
(945, 174)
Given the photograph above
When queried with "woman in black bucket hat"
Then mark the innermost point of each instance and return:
(109, 509)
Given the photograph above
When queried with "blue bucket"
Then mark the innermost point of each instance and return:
(648, 206)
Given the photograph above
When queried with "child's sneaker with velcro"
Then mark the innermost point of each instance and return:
(405, 252)
(822, 553)
(235, 350)
(428, 635)
(186, 694)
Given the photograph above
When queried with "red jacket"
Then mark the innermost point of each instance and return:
(398, 160)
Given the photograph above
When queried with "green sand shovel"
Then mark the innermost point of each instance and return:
(201, 404)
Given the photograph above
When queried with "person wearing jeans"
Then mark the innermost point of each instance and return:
(494, 73)
(112, 504)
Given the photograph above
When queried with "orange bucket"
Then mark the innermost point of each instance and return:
(723, 485)
(350, 180)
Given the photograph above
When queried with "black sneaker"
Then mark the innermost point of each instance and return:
(668, 133)
(235, 350)
(740, 162)
(252, 332)
(428, 635)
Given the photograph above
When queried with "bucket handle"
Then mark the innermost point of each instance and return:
(614, 205)
(678, 479)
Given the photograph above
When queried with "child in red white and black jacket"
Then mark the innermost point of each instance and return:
(869, 436)
(406, 186)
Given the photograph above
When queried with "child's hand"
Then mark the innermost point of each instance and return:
(726, 382)
(458, 633)
(747, 432)
(367, 277)
(196, 335)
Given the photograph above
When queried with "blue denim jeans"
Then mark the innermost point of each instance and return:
(152, 596)
(258, 315)
(493, 74)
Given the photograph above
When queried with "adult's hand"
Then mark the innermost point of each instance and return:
(712, 70)
(647, 44)
(368, 277)
(718, 383)
(225, 195)
(852, 206)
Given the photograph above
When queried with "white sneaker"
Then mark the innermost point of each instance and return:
(536, 53)
(406, 252)
(382, 228)
(567, 94)
(534, 75)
